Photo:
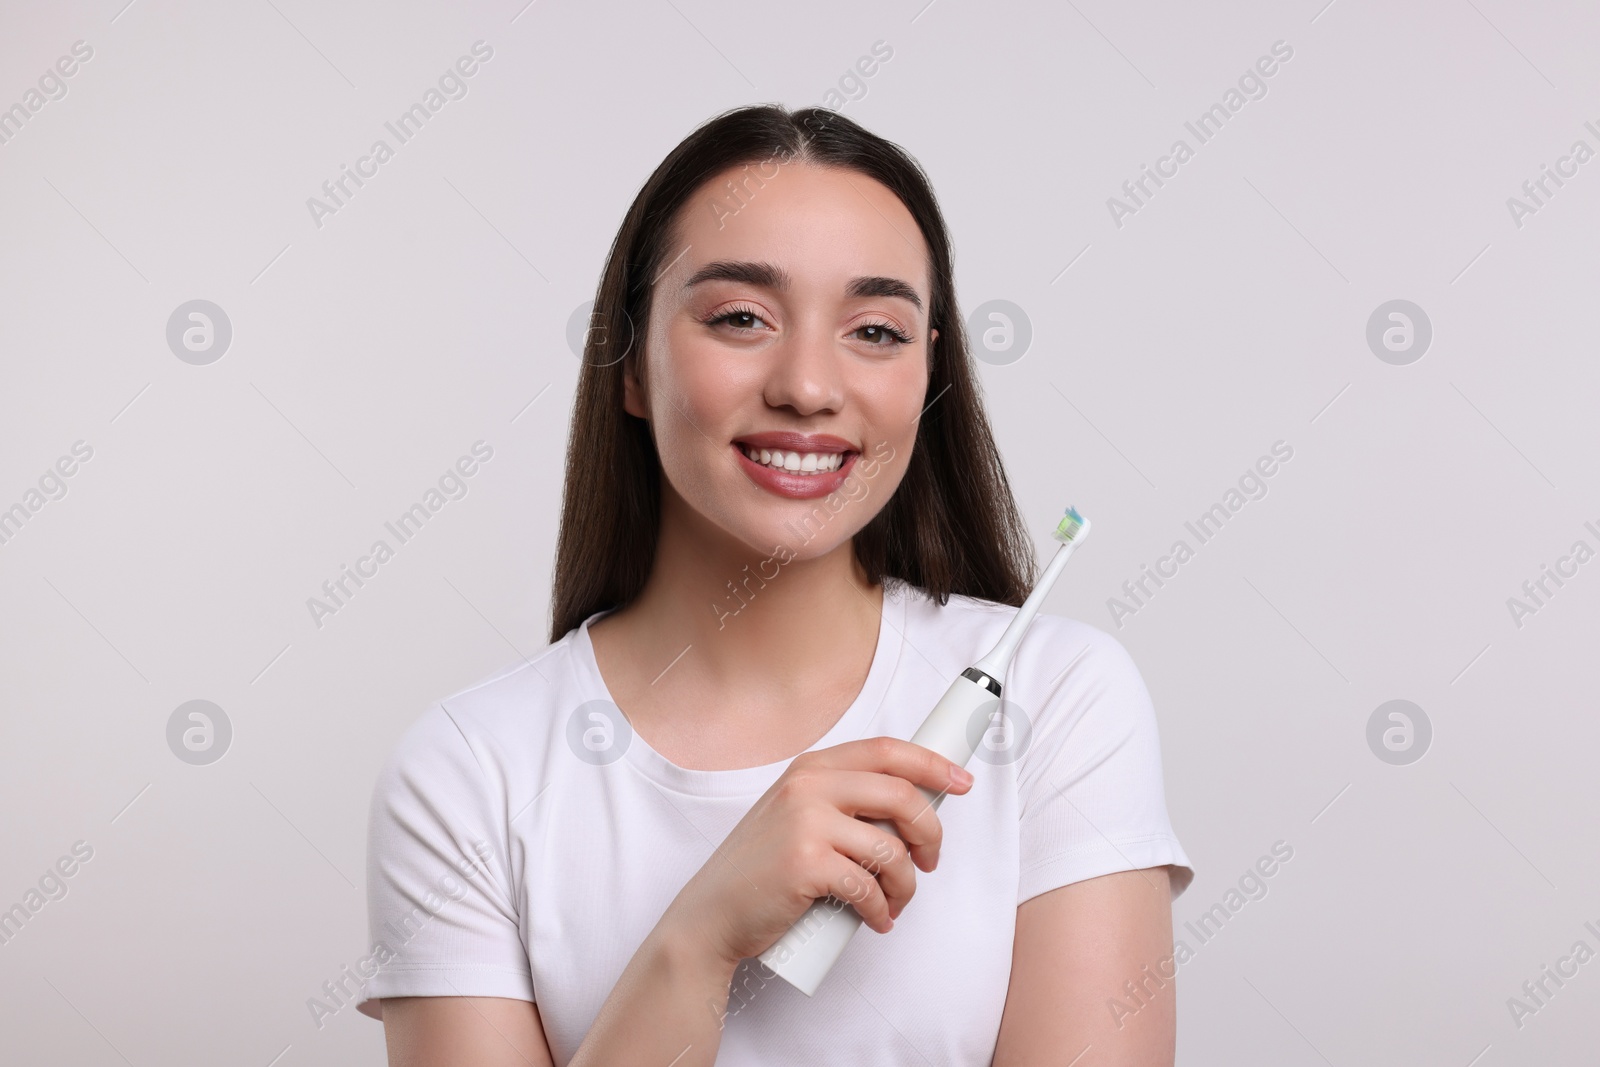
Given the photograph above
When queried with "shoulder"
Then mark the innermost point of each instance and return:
(1071, 686)
(482, 735)
(962, 628)
(1065, 648)
(1053, 644)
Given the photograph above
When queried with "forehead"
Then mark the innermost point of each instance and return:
(822, 225)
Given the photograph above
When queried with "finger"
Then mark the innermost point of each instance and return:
(852, 884)
(890, 755)
(872, 795)
(882, 855)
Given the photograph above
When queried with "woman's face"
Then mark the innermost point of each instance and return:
(787, 355)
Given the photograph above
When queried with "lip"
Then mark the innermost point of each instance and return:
(789, 441)
(795, 486)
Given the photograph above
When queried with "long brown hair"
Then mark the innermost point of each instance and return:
(951, 526)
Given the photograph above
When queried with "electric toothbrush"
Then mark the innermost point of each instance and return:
(805, 954)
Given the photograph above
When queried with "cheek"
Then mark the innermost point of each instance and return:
(892, 403)
(895, 402)
(693, 396)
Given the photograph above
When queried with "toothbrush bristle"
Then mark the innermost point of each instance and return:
(1069, 526)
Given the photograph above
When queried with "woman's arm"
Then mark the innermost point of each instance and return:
(464, 1032)
(1076, 948)
(669, 1004)
(667, 1007)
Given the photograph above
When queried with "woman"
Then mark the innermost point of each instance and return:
(785, 530)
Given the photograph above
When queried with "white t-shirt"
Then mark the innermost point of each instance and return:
(523, 841)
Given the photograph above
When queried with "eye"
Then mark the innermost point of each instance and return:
(740, 318)
(879, 334)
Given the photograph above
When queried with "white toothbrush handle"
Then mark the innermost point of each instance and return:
(807, 952)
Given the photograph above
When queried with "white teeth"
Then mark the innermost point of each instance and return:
(796, 462)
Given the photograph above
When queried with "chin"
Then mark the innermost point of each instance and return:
(805, 532)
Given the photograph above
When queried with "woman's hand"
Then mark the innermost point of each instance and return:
(801, 840)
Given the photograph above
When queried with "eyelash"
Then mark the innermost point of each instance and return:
(733, 313)
(888, 329)
(736, 312)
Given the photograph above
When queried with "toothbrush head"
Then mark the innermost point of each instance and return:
(1072, 528)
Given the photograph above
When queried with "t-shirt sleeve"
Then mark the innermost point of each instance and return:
(1091, 795)
(441, 906)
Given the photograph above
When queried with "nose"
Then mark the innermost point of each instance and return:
(806, 374)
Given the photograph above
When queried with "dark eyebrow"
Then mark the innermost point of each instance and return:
(763, 274)
(771, 277)
(885, 287)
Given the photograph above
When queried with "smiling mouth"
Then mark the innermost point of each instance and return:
(790, 462)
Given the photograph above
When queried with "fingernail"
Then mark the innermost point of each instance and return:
(960, 775)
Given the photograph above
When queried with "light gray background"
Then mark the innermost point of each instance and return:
(1167, 355)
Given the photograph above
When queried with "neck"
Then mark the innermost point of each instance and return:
(752, 621)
